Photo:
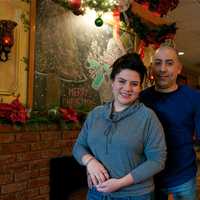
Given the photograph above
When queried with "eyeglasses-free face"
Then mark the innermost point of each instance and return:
(126, 88)
(165, 69)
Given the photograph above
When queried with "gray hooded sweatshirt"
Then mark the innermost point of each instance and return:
(130, 141)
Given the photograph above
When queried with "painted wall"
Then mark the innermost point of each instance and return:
(73, 57)
(13, 73)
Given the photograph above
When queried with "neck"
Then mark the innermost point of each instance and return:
(118, 108)
(166, 90)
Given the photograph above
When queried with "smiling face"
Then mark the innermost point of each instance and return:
(166, 67)
(126, 88)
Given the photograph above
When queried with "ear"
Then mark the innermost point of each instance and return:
(180, 67)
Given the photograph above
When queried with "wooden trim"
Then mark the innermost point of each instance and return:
(31, 54)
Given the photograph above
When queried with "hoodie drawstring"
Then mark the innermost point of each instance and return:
(109, 135)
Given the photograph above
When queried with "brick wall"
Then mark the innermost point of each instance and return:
(25, 154)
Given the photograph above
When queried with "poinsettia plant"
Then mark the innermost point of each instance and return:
(14, 111)
(68, 114)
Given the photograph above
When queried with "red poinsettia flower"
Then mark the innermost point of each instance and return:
(14, 111)
(68, 114)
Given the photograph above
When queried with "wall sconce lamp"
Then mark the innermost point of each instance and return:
(6, 38)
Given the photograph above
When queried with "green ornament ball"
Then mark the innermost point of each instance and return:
(98, 21)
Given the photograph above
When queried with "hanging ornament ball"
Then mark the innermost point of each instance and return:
(98, 21)
(75, 4)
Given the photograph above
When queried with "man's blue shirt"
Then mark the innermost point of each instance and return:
(179, 113)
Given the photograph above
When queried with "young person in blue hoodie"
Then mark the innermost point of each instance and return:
(122, 143)
(178, 108)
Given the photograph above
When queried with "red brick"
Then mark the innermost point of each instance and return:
(51, 135)
(38, 182)
(37, 164)
(15, 196)
(70, 134)
(30, 193)
(28, 156)
(44, 189)
(44, 172)
(21, 195)
(7, 138)
(35, 173)
(13, 148)
(7, 159)
(16, 167)
(22, 176)
(67, 148)
(49, 144)
(6, 178)
(42, 197)
(11, 196)
(62, 143)
(51, 153)
(13, 187)
(7, 128)
(27, 137)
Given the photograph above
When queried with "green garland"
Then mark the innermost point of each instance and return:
(147, 33)
(160, 6)
(101, 5)
(97, 5)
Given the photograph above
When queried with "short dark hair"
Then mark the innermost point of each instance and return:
(130, 61)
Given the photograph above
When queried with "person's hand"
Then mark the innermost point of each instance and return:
(110, 185)
(96, 172)
(89, 181)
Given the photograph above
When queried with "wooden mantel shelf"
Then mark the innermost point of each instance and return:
(35, 127)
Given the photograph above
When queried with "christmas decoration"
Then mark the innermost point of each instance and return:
(75, 4)
(14, 112)
(124, 5)
(68, 114)
(160, 6)
(98, 21)
(97, 5)
(101, 5)
(79, 11)
(148, 33)
(53, 114)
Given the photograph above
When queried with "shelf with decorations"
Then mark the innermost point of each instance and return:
(15, 116)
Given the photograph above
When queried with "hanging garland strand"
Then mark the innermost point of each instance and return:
(101, 5)
(147, 33)
(97, 5)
